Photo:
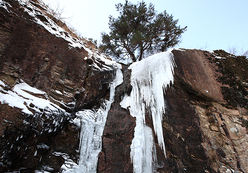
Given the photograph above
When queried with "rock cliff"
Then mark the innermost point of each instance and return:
(64, 107)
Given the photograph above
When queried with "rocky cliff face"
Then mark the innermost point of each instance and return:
(38, 53)
(62, 104)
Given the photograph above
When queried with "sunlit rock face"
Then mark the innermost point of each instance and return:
(201, 123)
(64, 107)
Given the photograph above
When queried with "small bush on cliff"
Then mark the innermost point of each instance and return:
(139, 30)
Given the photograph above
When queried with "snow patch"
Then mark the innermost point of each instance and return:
(58, 92)
(27, 98)
(2, 83)
(149, 79)
(43, 146)
(218, 57)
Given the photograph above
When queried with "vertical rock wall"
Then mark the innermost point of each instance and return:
(204, 125)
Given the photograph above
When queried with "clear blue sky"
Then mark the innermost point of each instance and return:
(212, 24)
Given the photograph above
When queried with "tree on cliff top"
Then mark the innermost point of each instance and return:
(138, 30)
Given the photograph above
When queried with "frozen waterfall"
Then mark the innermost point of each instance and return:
(92, 126)
(149, 79)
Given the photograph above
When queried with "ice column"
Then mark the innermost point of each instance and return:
(149, 79)
(92, 126)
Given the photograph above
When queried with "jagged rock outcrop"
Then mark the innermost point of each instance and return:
(53, 76)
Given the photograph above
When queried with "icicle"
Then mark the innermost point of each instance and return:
(149, 79)
(92, 126)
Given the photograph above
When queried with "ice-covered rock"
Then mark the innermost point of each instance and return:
(149, 79)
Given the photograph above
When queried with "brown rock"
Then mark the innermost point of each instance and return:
(205, 124)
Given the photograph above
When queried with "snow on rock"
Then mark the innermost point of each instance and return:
(36, 104)
(49, 24)
(43, 146)
(27, 98)
(92, 124)
(42, 113)
(2, 83)
(5, 5)
(149, 79)
(40, 17)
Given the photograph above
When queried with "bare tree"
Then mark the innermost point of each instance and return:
(232, 50)
(245, 54)
(237, 51)
(57, 11)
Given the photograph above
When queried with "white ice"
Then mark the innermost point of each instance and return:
(149, 79)
(92, 126)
